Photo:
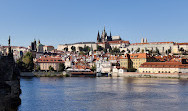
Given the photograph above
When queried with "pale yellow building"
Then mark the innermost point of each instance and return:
(163, 67)
(46, 61)
(133, 61)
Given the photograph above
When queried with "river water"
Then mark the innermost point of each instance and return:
(103, 94)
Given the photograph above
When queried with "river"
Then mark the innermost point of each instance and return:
(103, 94)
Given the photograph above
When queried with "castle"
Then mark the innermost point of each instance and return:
(105, 38)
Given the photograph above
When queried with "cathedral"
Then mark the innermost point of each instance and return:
(105, 38)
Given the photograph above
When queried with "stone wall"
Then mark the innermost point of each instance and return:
(9, 84)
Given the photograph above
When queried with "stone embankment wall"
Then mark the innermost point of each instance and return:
(9, 84)
(156, 75)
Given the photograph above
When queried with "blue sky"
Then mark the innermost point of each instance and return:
(67, 21)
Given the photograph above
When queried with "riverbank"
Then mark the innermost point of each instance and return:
(44, 74)
(156, 75)
(125, 74)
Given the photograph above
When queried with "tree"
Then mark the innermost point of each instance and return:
(93, 68)
(128, 50)
(61, 67)
(123, 51)
(27, 62)
(169, 50)
(80, 49)
(51, 68)
(99, 48)
(138, 50)
(38, 68)
(181, 49)
(157, 51)
(81, 53)
(116, 50)
(66, 49)
(73, 48)
(86, 49)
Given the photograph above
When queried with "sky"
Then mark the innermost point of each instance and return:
(56, 22)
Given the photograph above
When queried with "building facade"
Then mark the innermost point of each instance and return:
(44, 62)
(163, 67)
(133, 61)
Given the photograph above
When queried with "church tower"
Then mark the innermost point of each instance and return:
(98, 37)
(104, 35)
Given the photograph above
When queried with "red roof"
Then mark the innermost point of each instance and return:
(118, 42)
(49, 59)
(152, 43)
(163, 65)
(182, 43)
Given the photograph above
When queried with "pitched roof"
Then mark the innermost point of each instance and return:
(49, 59)
(152, 43)
(163, 65)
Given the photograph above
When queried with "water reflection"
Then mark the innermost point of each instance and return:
(103, 94)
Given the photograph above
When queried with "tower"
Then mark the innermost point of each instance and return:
(142, 40)
(104, 35)
(98, 37)
(145, 41)
(9, 47)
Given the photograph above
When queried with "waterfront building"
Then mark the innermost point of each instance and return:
(103, 66)
(68, 62)
(133, 61)
(163, 67)
(46, 61)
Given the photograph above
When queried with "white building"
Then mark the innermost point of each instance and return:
(77, 45)
(103, 66)
(162, 47)
(163, 67)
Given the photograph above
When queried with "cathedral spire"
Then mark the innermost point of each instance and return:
(98, 37)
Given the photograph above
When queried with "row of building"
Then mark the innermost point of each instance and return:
(144, 57)
(111, 42)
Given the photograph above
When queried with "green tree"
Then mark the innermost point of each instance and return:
(61, 67)
(80, 49)
(38, 68)
(86, 49)
(27, 62)
(66, 49)
(93, 68)
(99, 48)
(115, 50)
(123, 51)
(181, 49)
(157, 51)
(138, 50)
(51, 68)
(73, 48)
